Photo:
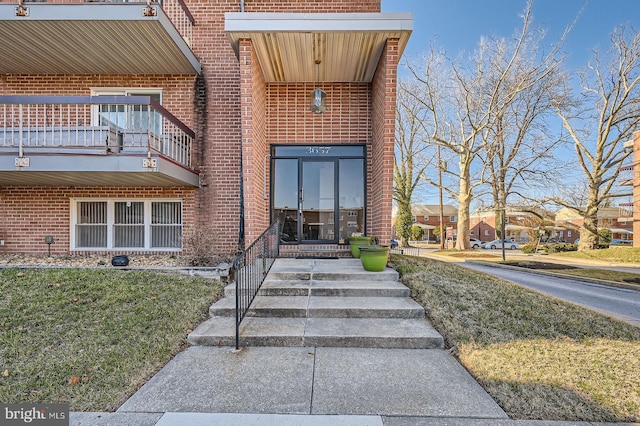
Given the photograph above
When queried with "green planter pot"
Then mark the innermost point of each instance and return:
(356, 242)
(374, 258)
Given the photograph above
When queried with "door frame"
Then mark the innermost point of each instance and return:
(319, 153)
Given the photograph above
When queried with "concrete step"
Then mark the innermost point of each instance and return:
(319, 332)
(329, 270)
(323, 307)
(363, 307)
(356, 275)
(328, 288)
(264, 306)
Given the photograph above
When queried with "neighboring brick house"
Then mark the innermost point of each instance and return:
(519, 223)
(617, 219)
(122, 127)
(428, 218)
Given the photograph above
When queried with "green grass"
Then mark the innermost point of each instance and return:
(538, 357)
(90, 338)
(612, 254)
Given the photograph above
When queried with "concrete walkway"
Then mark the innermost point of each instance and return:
(298, 384)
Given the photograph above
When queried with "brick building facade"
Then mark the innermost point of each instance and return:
(132, 126)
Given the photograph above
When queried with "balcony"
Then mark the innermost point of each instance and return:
(93, 141)
(625, 177)
(96, 37)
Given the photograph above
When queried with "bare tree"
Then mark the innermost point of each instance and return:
(519, 155)
(408, 163)
(473, 106)
(603, 118)
(457, 119)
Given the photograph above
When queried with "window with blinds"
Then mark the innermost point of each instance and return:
(91, 226)
(127, 224)
(166, 224)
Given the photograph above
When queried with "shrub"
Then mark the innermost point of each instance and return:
(199, 247)
(529, 248)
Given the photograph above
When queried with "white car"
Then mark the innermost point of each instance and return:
(475, 243)
(497, 244)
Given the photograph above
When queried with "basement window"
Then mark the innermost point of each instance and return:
(136, 224)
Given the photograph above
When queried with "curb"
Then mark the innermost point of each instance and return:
(558, 275)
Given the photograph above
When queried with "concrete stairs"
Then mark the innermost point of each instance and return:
(323, 303)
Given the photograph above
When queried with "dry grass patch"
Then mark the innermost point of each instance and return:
(90, 338)
(467, 254)
(538, 357)
(612, 254)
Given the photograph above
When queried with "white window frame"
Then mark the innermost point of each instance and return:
(120, 91)
(73, 219)
(453, 219)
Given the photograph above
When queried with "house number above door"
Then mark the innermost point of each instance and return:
(318, 150)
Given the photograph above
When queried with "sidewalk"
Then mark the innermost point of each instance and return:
(309, 386)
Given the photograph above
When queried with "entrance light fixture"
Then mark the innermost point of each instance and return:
(318, 97)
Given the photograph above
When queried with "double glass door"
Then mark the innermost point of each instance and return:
(319, 199)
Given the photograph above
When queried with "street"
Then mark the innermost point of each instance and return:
(623, 304)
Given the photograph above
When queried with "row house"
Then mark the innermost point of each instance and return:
(519, 223)
(124, 125)
(427, 217)
(616, 219)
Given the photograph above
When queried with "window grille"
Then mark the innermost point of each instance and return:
(128, 227)
(166, 224)
(91, 226)
(124, 224)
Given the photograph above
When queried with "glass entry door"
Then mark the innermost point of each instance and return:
(317, 201)
(318, 192)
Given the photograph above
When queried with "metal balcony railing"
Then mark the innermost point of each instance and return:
(626, 175)
(92, 124)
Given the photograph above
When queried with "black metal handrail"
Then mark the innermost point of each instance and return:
(251, 268)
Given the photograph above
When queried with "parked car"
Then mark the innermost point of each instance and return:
(617, 242)
(475, 243)
(497, 244)
(394, 243)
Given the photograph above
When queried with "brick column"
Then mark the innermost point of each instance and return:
(383, 110)
(636, 189)
(254, 143)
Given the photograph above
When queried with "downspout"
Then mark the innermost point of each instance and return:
(241, 227)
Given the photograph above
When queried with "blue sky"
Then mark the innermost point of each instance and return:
(458, 25)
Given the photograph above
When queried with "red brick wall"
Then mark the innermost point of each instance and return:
(380, 198)
(305, 6)
(347, 119)
(211, 105)
(28, 214)
(254, 142)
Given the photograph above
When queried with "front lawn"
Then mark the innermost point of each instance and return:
(538, 357)
(90, 338)
(612, 254)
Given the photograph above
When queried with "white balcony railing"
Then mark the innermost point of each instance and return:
(92, 124)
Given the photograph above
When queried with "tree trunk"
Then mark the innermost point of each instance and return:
(464, 201)
(589, 230)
